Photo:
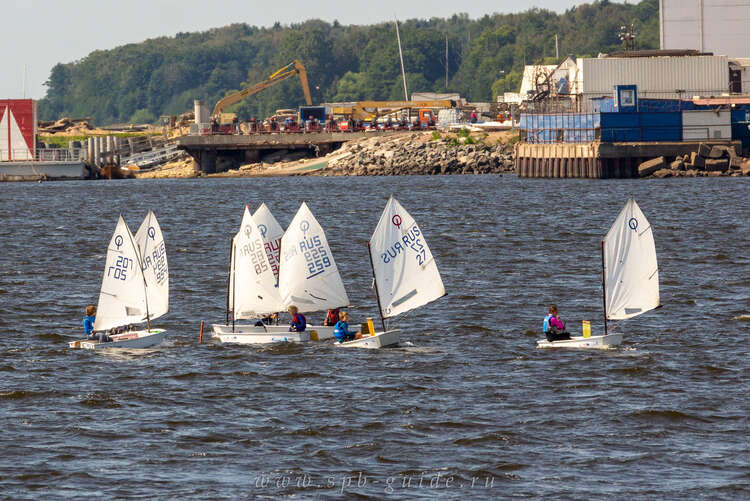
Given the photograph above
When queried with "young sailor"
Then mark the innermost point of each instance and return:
(88, 321)
(553, 327)
(88, 326)
(299, 322)
(341, 330)
(332, 317)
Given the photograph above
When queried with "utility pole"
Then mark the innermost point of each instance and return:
(401, 56)
(446, 61)
(557, 48)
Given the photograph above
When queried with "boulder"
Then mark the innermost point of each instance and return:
(717, 164)
(718, 151)
(704, 150)
(697, 161)
(715, 173)
(691, 173)
(651, 166)
(677, 165)
(663, 173)
(745, 168)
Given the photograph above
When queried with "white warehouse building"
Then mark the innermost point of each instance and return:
(716, 26)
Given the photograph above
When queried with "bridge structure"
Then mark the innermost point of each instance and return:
(218, 153)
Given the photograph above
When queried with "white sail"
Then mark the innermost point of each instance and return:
(122, 299)
(272, 232)
(631, 273)
(254, 288)
(308, 276)
(406, 273)
(153, 252)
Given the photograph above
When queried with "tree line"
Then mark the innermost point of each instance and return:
(485, 57)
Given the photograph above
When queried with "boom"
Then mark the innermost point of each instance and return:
(291, 69)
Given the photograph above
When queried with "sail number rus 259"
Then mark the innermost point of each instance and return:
(316, 257)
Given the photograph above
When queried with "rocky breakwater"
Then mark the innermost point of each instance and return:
(708, 161)
(423, 153)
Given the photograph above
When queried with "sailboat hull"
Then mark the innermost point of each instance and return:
(315, 332)
(375, 341)
(133, 340)
(592, 342)
(258, 335)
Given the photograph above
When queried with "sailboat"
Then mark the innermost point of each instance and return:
(308, 276)
(252, 292)
(135, 287)
(271, 231)
(630, 277)
(404, 271)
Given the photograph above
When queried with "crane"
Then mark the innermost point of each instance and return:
(291, 69)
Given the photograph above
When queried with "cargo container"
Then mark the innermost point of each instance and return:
(702, 124)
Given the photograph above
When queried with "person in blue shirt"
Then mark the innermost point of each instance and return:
(88, 326)
(88, 321)
(341, 330)
(299, 322)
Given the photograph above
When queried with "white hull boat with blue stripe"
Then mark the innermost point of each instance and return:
(630, 277)
(404, 271)
(135, 288)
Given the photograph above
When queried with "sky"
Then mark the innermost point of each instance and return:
(37, 34)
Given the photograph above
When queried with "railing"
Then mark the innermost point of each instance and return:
(62, 155)
(152, 158)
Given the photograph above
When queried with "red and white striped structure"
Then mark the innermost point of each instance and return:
(18, 124)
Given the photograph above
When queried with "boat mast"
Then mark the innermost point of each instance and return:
(375, 281)
(143, 275)
(234, 286)
(604, 292)
(229, 276)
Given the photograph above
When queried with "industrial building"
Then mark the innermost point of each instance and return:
(709, 26)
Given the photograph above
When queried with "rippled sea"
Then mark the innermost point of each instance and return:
(466, 408)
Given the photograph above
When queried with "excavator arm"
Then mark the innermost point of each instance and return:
(291, 69)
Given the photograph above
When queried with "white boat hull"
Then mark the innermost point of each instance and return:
(374, 341)
(596, 342)
(263, 337)
(132, 340)
(315, 332)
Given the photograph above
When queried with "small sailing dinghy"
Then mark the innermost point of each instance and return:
(252, 292)
(308, 276)
(271, 231)
(135, 287)
(404, 271)
(630, 277)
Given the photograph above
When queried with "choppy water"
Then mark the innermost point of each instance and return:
(467, 409)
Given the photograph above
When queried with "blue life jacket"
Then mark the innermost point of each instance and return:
(299, 323)
(341, 331)
(545, 326)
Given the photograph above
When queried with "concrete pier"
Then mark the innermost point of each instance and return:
(217, 153)
(597, 160)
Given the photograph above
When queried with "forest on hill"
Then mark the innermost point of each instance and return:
(485, 57)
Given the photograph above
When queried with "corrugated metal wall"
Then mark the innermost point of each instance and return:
(699, 124)
(662, 76)
(718, 26)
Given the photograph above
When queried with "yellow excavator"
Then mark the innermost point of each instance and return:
(291, 69)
